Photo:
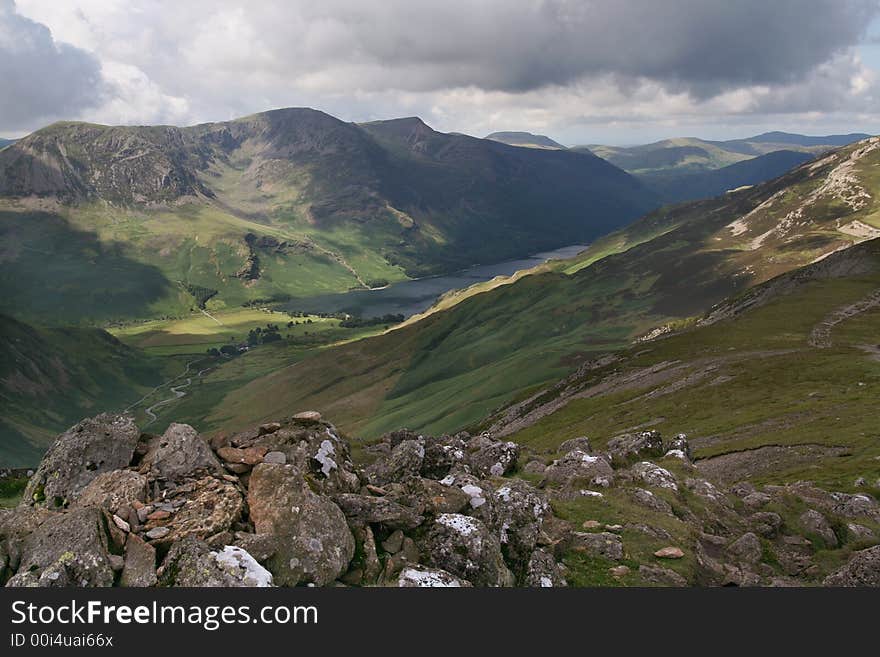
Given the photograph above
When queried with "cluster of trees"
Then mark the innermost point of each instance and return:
(359, 322)
(263, 335)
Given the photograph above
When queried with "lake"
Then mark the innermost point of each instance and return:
(410, 297)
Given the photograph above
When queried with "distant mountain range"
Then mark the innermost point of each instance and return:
(287, 202)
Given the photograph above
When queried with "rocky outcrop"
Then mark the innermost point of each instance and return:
(285, 504)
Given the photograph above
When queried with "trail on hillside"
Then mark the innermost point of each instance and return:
(820, 336)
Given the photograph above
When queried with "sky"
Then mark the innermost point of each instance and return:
(580, 71)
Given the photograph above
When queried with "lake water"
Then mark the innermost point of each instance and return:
(411, 297)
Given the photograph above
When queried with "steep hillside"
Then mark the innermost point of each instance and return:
(690, 154)
(798, 354)
(524, 139)
(450, 369)
(49, 378)
(677, 187)
(286, 203)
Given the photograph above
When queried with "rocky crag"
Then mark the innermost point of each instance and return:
(286, 504)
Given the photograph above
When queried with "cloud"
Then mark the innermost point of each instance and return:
(41, 79)
(563, 66)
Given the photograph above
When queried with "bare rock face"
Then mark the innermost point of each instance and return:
(139, 566)
(68, 549)
(314, 543)
(862, 569)
(520, 510)
(114, 490)
(465, 547)
(180, 452)
(94, 446)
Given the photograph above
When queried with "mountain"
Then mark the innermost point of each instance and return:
(151, 221)
(691, 154)
(49, 378)
(524, 139)
(6, 142)
(676, 187)
(453, 367)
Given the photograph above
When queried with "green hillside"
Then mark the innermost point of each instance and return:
(50, 379)
(454, 367)
(155, 221)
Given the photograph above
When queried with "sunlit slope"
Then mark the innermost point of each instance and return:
(456, 366)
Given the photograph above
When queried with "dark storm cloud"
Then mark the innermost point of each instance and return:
(700, 45)
(39, 78)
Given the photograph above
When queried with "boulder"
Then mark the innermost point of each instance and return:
(495, 459)
(465, 547)
(178, 453)
(313, 541)
(669, 552)
(581, 443)
(366, 509)
(534, 468)
(598, 544)
(630, 447)
(862, 569)
(654, 475)
(815, 523)
(441, 455)
(519, 516)
(679, 444)
(766, 523)
(404, 461)
(200, 508)
(68, 549)
(192, 563)
(94, 446)
(747, 548)
(648, 500)
(114, 490)
(422, 576)
(543, 571)
(661, 576)
(578, 468)
(139, 566)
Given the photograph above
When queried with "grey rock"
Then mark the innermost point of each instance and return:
(651, 501)
(862, 569)
(68, 549)
(747, 548)
(581, 443)
(630, 447)
(442, 455)
(100, 444)
(366, 509)
(158, 532)
(139, 569)
(766, 523)
(534, 467)
(661, 576)
(495, 459)
(815, 523)
(314, 543)
(404, 461)
(114, 490)
(394, 542)
(598, 544)
(464, 546)
(192, 563)
(578, 468)
(519, 515)
(275, 457)
(543, 571)
(653, 475)
(423, 577)
(180, 452)
(756, 501)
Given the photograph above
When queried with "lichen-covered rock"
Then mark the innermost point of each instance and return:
(441, 455)
(464, 546)
(542, 571)
(178, 453)
(630, 447)
(815, 523)
(139, 565)
(747, 548)
(314, 543)
(679, 443)
(495, 459)
(404, 461)
(114, 490)
(201, 508)
(67, 549)
(366, 509)
(192, 563)
(766, 523)
(519, 516)
(654, 502)
(424, 577)
(599, 544)
(577, 468)
(581, 443)
(429, 496)
(101, 444)
(653, 475)
(862, 569)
